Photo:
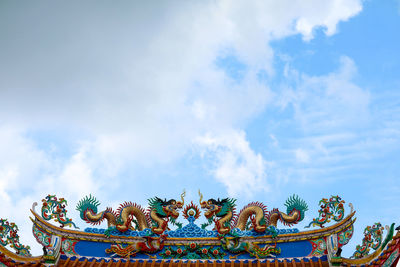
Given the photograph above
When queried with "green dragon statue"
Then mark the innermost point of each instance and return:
(9, 235)
(223, 209)
(254, 216)
(155, 217)
(372, 239)
(331, 208)
(54, 208)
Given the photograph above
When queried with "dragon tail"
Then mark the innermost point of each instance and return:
(295, 203)
(88, 210)
(295, 212)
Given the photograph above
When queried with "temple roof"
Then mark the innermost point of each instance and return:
(389, 256)
(251, 238)
(9, 258)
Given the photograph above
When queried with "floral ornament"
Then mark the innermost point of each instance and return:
(345, 235)
(318, 247)
(192, 251)
(372, 239)
(41, 237)
(54, 208)
(330, 209)
(68, 247)
(8, 235)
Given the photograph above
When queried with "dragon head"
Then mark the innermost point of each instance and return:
(213, 207)
(217, 207)
(170, 208)
(165, 208)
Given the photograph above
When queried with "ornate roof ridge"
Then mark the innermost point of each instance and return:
(316, 233)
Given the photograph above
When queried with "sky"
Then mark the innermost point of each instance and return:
(255, 100)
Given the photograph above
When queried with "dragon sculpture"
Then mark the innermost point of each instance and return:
(54, 208)
(331, 208)
(9, 235)
(151, 245)
(372, 239)
(223, 209)
(254, 216)
(156, 217)
(236, 246)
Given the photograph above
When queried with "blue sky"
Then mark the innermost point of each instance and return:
(253, 100)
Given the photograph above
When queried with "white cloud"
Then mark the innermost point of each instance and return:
(275, 141)
(329, 102)
(77, 176)
(20, 162)
(328, 16)
(330, 117)
(302, 155)
(144, 94)
(142, 81)
(28, 174)
(235, 164)
(7, 177)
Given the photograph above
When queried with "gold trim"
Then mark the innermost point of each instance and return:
(364, 260)
(17, 257)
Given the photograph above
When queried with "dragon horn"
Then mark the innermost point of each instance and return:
(201, 196)
(179, 204)
(183, 196)
(203, 204)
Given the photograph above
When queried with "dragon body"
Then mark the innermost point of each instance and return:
(254, 216)
(221, 212)
(9, 236)
(156, 217)
(236, 246)
(331, 208)
(161, 211)
(54, 208)
(151, 245)
(372, 239)
(254, 211)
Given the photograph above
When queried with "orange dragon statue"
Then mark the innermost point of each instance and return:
(151, 245)
(131, 215)
(254, 216)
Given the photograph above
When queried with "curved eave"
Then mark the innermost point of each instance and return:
(361, 261)
(19, 258)
(306, 235)
(377, 258)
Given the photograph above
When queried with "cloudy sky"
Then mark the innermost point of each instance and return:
(255, 100)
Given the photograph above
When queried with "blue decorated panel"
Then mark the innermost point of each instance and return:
(193, 250)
